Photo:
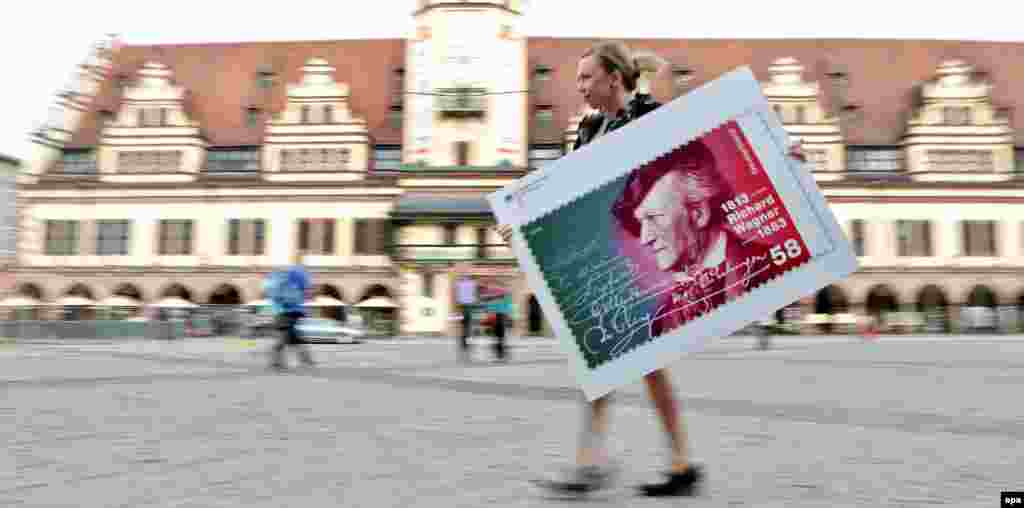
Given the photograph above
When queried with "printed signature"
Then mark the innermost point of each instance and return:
(612, 300)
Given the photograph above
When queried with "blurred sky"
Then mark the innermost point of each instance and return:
(42, 42)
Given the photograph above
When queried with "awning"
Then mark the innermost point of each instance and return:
(19, 301)
(378, 302)
(74, 301)
(119, 301)
(410, 206)
(175, 302)
(324, 301)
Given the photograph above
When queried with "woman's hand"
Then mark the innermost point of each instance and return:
(505, 231)
(796, 151)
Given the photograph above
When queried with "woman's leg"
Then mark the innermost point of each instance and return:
(659, 387)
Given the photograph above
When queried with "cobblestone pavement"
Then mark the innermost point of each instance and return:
(813, 422)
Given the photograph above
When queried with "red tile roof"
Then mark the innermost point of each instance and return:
(221, 78)
(222, 82)
(882, 73)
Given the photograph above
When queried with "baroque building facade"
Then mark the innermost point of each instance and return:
(191, 170)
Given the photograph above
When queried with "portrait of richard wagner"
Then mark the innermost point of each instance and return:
(665, 244)
(673, 209)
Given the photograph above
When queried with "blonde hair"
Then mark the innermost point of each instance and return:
(616, 56)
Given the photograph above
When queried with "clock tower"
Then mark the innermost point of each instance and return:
(466, 82)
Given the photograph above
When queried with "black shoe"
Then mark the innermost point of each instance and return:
(686, 483)
(278, 366)
(584, 480)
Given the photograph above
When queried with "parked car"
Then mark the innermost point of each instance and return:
(329, 331)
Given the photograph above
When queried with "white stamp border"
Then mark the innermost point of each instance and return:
(735, 96)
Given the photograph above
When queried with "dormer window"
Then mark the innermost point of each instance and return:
(264, 76)
(77, 162)
(542, 72)
(681, 75)
(106, 116)
(544, 116)
(956, 115)
(252, 115)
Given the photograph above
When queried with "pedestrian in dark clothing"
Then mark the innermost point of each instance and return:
(499, 335)
(290, 290)
(465, 296)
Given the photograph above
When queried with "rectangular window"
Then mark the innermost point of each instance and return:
(305, 114)
(304, 237)
(77, 163)
(113, 237)
(428, 283)
(246, 237)
(8, 214)
(801, 114)
(149, 161)
(818, 159)
(234, 236)
(259, 239)
(913, 238)
(61, 237)
(312, 159)
(387, 157)
(175, 237)
(960, 160)
(245, 160)
(462, 153)
(371, 236)
(874, 160)
(979, 238)
(328, 114)
(857, 236)
(481, 241)
(451, 234)
(329, 226)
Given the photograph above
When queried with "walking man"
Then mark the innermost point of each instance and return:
(290, 290)
(465, 297)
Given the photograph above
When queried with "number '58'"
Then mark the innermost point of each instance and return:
(792, 250)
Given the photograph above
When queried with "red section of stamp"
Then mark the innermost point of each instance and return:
(705, 225)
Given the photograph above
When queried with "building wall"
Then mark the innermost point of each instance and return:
(210, 232)
(478, 46)
(8, 210)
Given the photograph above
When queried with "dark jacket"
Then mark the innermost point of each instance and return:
(640, 105)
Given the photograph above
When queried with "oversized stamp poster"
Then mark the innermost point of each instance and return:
(681, 227)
